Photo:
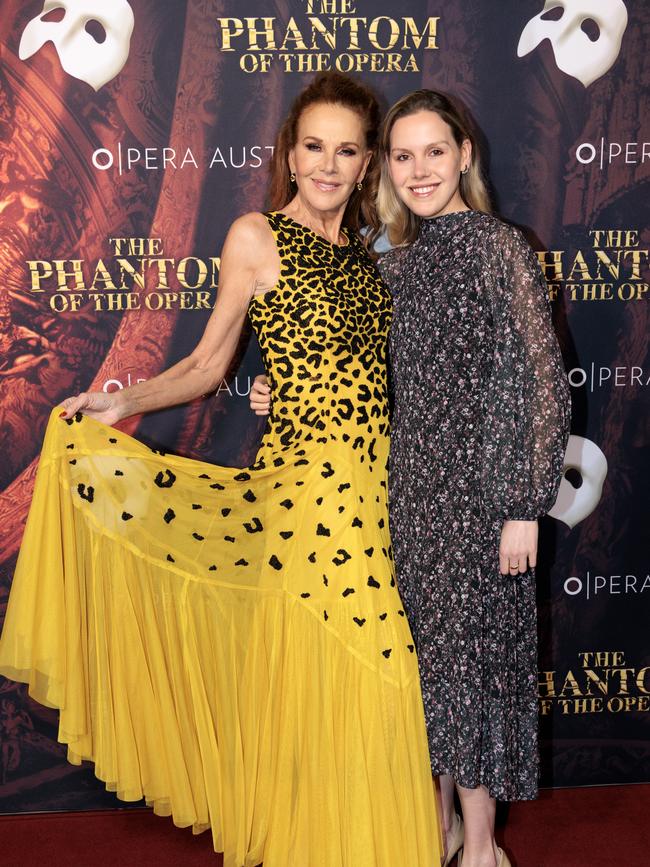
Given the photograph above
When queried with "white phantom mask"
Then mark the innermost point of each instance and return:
(574, 51)
(575, 504)
(82, 55)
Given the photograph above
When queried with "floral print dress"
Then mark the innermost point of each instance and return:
(480, 425)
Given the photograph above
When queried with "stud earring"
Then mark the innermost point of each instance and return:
(359, 185)
(292, 178)
(465, 170)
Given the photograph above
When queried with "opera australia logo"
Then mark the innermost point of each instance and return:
(585, 35)
(585, 470)
(91, 37)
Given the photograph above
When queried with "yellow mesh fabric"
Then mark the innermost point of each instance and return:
(230, 644)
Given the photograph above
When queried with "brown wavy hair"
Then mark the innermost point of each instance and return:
(400, 224)
(332, 88)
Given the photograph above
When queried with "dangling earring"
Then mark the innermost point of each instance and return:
(292, 178)
(359, 185)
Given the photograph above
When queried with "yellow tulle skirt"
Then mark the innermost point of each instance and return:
(229, 706)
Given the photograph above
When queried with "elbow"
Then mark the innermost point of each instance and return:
(208, 372)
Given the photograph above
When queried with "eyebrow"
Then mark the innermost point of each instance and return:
(430, 145)
(320, 141)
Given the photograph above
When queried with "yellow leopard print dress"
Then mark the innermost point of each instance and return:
(230, 644)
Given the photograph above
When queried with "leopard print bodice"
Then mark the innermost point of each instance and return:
(323, 332)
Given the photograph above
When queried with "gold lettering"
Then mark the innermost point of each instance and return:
(373, 33)
(39, 270)
(293, 35)
(231, 28)
(430, 29)
(266, 32)
(75, 273)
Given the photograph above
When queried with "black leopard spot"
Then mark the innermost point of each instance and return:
(359, 620)
(275, 563)
(326, 615)
(383, 616)
(322, 530)
(357, 522)
(242, 477)
(226, 512)
(344, 487)
(369, 552)
(255, 526)
(305, 595)
(119, 473)
(86, 493)
(73, 461)
(401, 613)
(196, 506)
(70, 446)
(204, 476)
(241, 562)
(373, 583)
(170, 558)
(126, 516)
(319, 501)
(165, 480)
(287, 504)
(411, 648)
(169, 515)
(229, 539)
(347, 592)
(312, 557)
(112, 440)
(328, 471)
(387, 652)
(286, 534)
(198, 537)
(212, 568)
(217, 487)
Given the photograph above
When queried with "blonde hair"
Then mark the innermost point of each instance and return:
(400, 224)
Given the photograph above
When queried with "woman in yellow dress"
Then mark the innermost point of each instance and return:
(230, 644)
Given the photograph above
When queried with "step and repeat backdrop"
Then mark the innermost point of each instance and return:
(133, 133)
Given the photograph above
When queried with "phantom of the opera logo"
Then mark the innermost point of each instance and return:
(603, 681)
(329, 34)
(612, 267)
(136, 276)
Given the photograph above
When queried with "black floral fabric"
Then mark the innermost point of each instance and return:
(480, 425)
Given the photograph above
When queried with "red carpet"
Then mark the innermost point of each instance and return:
(600, 827)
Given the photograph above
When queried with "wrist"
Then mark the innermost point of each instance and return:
(123, 405)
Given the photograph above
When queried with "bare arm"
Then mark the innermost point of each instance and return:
(244, 261)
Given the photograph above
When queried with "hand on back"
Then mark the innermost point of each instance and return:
(261, 396)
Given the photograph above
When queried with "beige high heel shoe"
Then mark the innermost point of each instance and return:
(456, 842)
(503, 861)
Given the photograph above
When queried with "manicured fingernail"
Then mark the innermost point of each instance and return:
(62, 414)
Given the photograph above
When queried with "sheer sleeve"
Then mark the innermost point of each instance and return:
(527, 405)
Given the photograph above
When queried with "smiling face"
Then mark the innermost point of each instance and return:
(425, 164)
(330, 156)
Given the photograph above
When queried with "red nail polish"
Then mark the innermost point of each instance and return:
(62, 414)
